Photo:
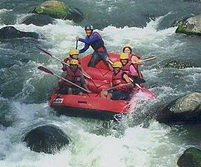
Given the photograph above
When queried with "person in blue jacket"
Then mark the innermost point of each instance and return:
(94, 40)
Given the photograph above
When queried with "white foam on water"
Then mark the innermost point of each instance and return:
(62, 36)
(5, 10)
(23, 157)
(139, 146)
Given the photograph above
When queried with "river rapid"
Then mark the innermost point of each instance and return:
(138, 140)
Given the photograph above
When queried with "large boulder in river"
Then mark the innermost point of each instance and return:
(190, 158)
(190, 26)
(177, 64)
(10, 32)
(58, 9)
(186, 109)
(38, 20)
(47, 139)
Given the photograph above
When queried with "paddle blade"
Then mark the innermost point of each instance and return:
(149, 58)
(48, 53)
(44, 69)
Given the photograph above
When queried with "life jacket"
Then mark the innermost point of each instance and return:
(117, 79)
(136, 67)
(126, 67)
(136, 72)
(98, 46)
(74, 77)
(67, 60)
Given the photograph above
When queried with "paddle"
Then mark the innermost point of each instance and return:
(138, 86)
(149, 58)
(138, 80)
(149, 94)
(143, 60)
(146, 59)
(118, 86)
(44, 69)
(48, 53)
(76, 44)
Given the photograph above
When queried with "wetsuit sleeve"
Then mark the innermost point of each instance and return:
(89, 41)
(86, 46)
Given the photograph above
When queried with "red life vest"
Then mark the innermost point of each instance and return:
(126, 68)
(117, 79)
(67, 59)
(74, 77)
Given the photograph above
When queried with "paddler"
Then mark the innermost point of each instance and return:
(73, 74)
(121, 84)
(94, 40)
(73, 54)
(131, 69)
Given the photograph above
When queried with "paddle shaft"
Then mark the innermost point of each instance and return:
(76, 44)
(135, 83)
(118, 86)
(86, 75)
(50, 72)
(72, 83)
(149, 58)
(146, 59)
(48, 53)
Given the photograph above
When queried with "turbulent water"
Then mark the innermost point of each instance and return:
(139, 140)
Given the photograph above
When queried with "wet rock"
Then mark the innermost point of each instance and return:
(75, 14)
(58, 9)
(177, 64)
(190, 26)
(10, 32)
(48, 139)
(186, 109)
(190, 158)
(38, 20)
(6, 116)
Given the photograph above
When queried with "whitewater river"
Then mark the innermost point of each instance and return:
(139, 140)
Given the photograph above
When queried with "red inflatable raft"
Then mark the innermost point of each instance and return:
(88, 105)
(91, 104)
